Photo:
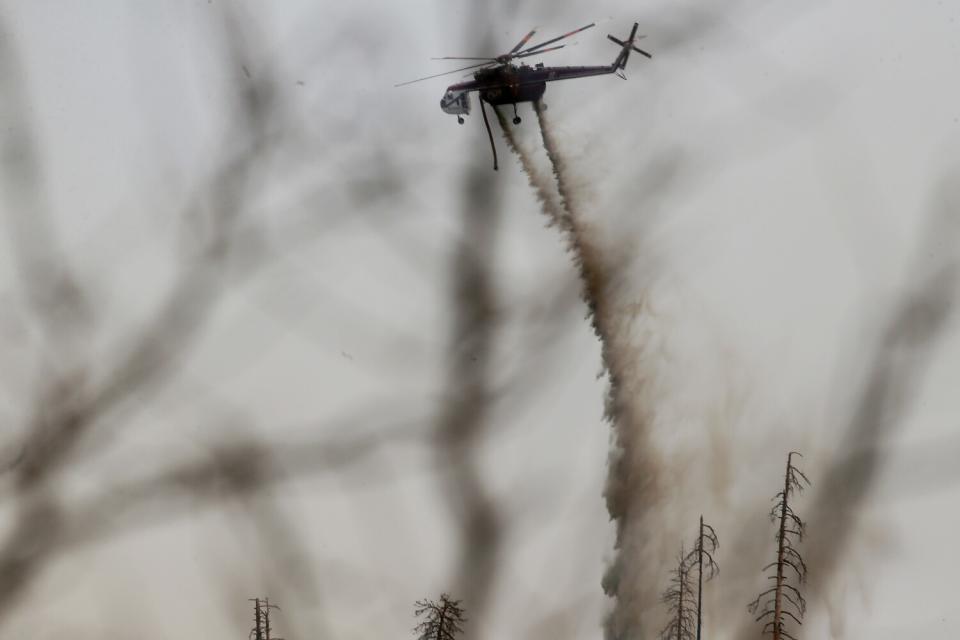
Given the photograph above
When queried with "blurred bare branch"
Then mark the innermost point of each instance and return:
(46, 280)
(901, 358)
(464, 416)
(76, 397)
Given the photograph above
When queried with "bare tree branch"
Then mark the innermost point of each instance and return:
(787, 556)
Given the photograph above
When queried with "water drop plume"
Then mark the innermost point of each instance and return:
(634, 490)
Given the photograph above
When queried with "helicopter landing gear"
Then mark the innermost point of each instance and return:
(516, 118)
(460, 119)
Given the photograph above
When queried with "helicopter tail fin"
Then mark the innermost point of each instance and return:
(626, 47)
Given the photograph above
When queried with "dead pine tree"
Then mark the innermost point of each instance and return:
(442, 620)
(679, 598)
(261, 619)
(783, 600)
(706, 545)
(685, 608)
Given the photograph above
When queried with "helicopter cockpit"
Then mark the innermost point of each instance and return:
(457, 103)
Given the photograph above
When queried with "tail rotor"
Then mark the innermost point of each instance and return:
(628, 46)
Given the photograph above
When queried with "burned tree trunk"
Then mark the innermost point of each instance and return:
(707, 545)
(784, 599)
(442, 622)
(261, 619)
(257, 631)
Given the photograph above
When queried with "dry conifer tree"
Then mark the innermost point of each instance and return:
(442, 620)
(707, 544)
(261, 619)
(784, 600)
(680, 599)
(686, 609)
(257, 632)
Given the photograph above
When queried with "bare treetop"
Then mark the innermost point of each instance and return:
(684, 604)
(679, 598)
(784, 600)
(443, 620)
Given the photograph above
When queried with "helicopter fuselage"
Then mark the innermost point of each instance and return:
(512, 84)
(508, 84)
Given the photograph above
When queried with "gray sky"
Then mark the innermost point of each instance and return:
(805, 148)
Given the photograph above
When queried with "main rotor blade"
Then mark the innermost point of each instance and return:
(534, 53)
(445, 73)
(526, 38)
(558, 38)
(460, 58)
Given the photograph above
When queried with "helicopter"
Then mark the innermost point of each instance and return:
(499, 81)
